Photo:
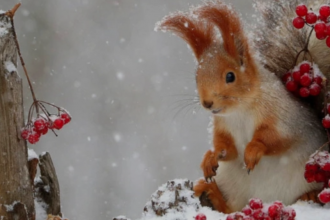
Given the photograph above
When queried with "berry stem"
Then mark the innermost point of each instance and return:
(11, 14)
(305, 49)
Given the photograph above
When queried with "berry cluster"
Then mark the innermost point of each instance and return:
(256, 210)
(319, 22)
(304, 80)
(200, 216)
(40, 125)
(317, 168)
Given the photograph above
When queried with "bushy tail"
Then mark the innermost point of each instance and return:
(279, 42)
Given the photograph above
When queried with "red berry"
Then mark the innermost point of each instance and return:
(258, 214)
(301, 10)
(325, 11)
(65, 117)
(324, 196)
(326, 166)
(309, 176)
(311, 18)
(247, 210)
(326, 121)
(305, 68)
(329, 183)
(279, 203)
(248, 218)
(25, 133)
(291, 86)
(312, 167)
(40, 124)
(306, 79)
(328, 108)
(58, 123)
(327, 41)
(34, 137)
(320, 27)
(231, 217)
(298, 22)
(320, 30)
(255, 203)
(274, 211)
(315, 89)
(321, 35)
(322, 18)
(320, 177)
(327, 31)
(318, 80)
(304, 92)
(286, 76)
(44, 131)
(200, 216)
(288, 213)
(296, 76)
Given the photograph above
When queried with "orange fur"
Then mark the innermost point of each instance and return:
(311, 196)
(224, 150)
(197, 34)
(266, 141)
(213, 193)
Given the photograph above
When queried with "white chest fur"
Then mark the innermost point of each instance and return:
(241, 126)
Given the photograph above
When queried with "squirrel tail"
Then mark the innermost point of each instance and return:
(278, 42)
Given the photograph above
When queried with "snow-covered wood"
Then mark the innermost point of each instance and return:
(16, 197)
(48, 188)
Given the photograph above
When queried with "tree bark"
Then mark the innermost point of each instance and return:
(16, 193)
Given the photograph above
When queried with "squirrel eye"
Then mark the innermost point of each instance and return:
(230, 77)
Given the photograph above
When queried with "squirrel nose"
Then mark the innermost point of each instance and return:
(207, 104)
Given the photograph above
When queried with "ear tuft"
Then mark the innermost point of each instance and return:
(196, 33)
(228, 22)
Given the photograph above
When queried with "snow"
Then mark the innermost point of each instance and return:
(189, 206)
(4, 28)
(40, 208)
(10, 67)
(32, 154)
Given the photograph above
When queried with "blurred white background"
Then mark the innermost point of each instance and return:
(129, 90)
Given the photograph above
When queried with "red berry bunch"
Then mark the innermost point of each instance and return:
(200, 216)
(324, 196)
(40, 125)
(304, 80)
(318, 168)
(320, 23)
(256, 210)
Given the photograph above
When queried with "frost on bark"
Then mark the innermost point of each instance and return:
(16, 193)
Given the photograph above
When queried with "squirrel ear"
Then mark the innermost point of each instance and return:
(196, 33)
(229, 25)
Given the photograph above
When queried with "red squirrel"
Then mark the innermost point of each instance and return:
(263, 135)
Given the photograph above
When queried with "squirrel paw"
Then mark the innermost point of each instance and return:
(253, 153)
(213, 194)
(210, 164)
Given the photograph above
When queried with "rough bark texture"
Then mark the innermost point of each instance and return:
(16, 193)
(48, 188)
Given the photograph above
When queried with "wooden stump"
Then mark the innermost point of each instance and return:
(16, 193)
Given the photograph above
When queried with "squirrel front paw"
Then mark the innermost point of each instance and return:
(253, 153)
(210, 163)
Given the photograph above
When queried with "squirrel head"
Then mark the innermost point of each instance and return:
(227, 77)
